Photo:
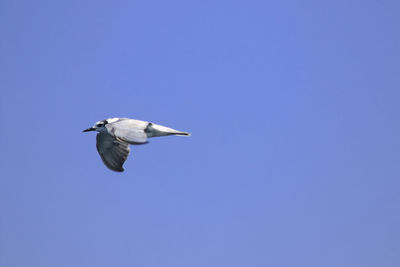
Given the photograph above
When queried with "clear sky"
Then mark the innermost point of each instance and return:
(295, 148)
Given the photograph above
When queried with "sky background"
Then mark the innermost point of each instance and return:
(295, 148)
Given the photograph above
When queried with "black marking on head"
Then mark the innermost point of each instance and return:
(148, 128)
(101, 123)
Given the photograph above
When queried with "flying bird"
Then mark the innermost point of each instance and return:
(116, 134)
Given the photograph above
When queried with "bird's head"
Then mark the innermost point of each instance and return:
(98, 126)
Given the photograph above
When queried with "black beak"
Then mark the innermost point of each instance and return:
(89, 130)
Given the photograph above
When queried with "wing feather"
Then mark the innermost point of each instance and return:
(128, 130)
(113, 152)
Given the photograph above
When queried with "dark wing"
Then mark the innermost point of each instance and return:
(113, 152)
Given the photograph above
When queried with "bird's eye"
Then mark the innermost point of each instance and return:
(99, 125)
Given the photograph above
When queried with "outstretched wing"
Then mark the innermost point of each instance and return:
(128, 130)
(113, 152)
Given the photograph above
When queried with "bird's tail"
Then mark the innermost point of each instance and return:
(154, 130)
(183, 133)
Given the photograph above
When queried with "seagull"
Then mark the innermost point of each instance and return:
(116, 134)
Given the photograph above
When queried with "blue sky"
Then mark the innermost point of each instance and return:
(294, 112)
